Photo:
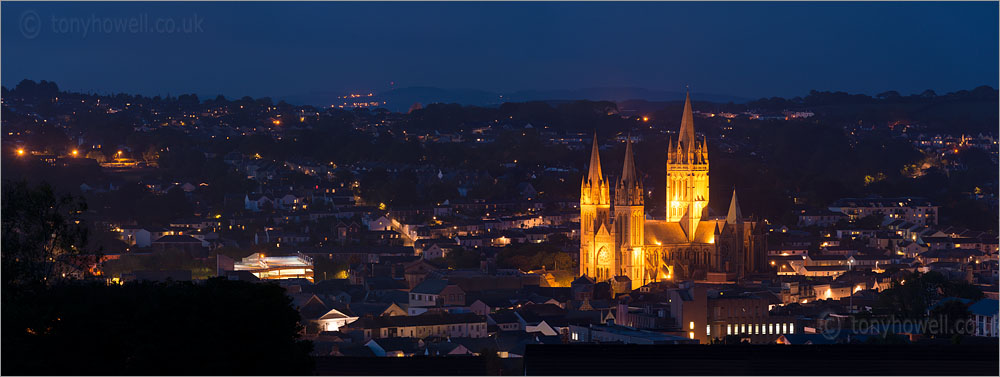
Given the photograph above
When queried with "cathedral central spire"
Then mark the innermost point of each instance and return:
(686, 139)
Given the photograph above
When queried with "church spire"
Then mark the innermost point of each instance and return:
(734, 215)
(629, 189)
(628, 169)
(595, 163)
(686, 140)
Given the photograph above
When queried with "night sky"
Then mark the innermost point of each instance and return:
(276, 49)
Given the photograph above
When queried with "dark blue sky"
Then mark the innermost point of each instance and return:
(277, 49)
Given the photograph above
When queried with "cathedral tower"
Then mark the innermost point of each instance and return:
(629, 219)
(687, 175)
(595, 208)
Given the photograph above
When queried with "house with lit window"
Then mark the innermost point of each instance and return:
(821, 218)
(435, 293)
(435, 252)
(381, 223)
(505, 320)
(984, 313)
(318, 315)
(256, 203)
(950, 255)
(912, 209)
(136, 236)
(420, 326)
(395, 347)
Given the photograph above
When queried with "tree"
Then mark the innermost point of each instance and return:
(531, 256)
(218, 327)
(97, 155)
(39, 230)
(326, 268)
(870, 221)
(462, 258)
(915, 292)
(493, 362)
(952, 315)
(160, 261)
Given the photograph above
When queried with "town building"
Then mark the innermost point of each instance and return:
(420, 326)
(915, 210)
(296, 266)
(595, 333)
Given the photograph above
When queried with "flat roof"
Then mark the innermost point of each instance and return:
(258, 261)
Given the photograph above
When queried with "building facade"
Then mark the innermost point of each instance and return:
(618, 239)
(918, 211)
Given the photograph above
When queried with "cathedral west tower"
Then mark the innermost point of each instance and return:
(596, 249)
(629, 217)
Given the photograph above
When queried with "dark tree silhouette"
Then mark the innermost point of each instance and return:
(218, 327)
(39, 230)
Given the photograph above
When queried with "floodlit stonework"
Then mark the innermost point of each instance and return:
(617, 238)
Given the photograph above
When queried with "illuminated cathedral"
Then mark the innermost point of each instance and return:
(618, 238)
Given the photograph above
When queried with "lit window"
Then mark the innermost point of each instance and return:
(770, 328)
(791, 328)
(691, 325)
(708, 330)
(756, 329)
(784, 328)
(691, 335)
(729, 329)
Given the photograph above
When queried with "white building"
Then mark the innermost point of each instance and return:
(277, 267)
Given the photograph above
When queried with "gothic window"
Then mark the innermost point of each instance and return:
(603, 257)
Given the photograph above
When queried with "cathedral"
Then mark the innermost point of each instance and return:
(618, 237)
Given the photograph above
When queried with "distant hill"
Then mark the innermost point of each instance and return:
(401, 99)
(617, 94)
(318, 98)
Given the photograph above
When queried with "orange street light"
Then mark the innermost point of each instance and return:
(20, 151)
(75, 152)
